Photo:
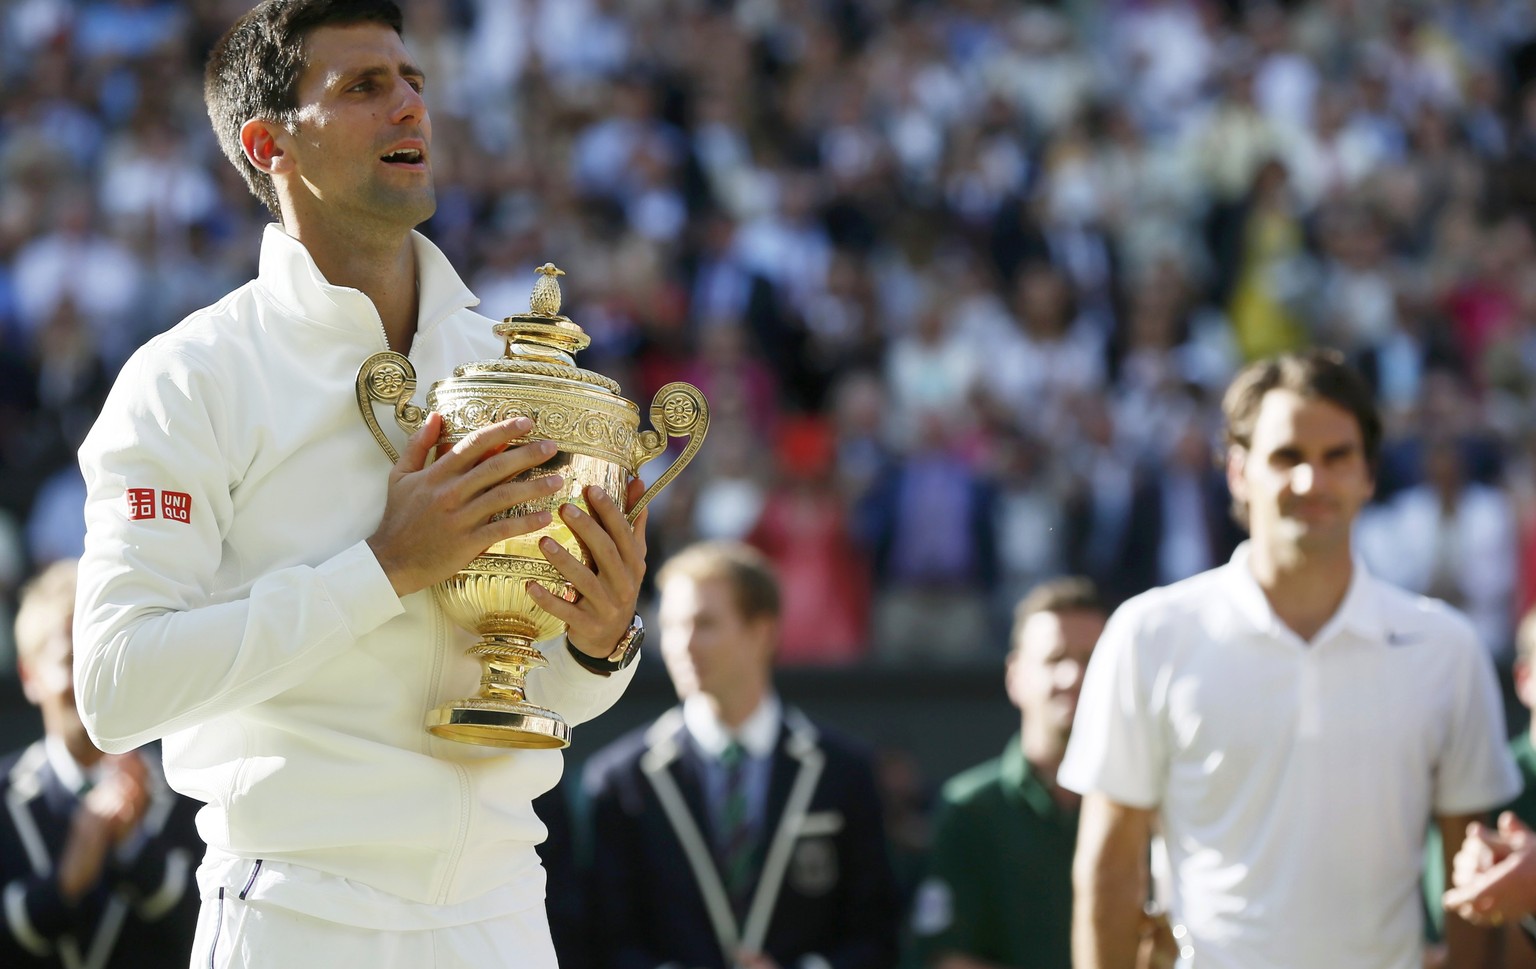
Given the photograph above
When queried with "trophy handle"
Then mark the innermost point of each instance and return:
(676, 410)
(389, 377)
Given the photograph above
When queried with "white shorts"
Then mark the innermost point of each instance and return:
(236, 934)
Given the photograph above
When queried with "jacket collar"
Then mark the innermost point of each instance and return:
(289, 275)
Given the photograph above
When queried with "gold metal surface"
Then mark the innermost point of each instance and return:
(601, 444)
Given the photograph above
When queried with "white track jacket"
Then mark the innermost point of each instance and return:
(230, 605)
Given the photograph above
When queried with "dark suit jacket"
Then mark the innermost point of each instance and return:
(563, 899)
(826, 889)
(1133, 567)
(143, 912)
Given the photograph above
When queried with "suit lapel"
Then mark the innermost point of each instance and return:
(798, 763)
(672, 774)
(37, 799)
(29, 780)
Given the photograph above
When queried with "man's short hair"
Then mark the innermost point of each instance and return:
(1072, 593)
(748, 571)
(253, 71)
(1319, 374)
(46, 600)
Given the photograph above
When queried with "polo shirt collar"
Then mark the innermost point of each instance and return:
(289, 275)
(1357, 614)
(1020, 782)
(758, 733)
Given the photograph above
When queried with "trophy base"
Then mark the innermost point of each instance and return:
(521, 726)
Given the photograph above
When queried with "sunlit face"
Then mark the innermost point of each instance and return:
(362, 145)
(1304, 476)
(708, 646)
(1045, 668)
(47, 680)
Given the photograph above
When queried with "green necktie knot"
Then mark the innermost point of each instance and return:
(733, 754)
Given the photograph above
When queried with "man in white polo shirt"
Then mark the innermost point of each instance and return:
(1289, 723)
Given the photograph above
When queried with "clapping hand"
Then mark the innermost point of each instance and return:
(1493, 875)
(107, 817)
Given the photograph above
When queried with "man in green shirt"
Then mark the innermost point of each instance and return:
(1519, 953)
(998, 891)
(1524, 806)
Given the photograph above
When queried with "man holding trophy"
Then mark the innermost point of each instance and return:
(262, 591)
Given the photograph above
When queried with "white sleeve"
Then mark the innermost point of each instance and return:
(1475, 772)
(1117, 747)
(573, 691)
(156, 651)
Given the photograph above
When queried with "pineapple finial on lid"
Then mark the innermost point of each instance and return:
(545, 300)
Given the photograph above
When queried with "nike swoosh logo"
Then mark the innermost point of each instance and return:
(1403, 639)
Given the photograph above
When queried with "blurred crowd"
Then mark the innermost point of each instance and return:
(962, 279)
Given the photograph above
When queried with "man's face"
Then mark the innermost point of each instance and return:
(708, 646)
(361, 147)
(1304, 476)
(1045, 668)
(47, 680)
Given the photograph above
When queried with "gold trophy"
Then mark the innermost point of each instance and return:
(600, 444)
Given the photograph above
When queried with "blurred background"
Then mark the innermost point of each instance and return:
(963, 281)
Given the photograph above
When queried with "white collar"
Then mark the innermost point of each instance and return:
(289, 275)
(1357, 612)
(758, 733)
(68, 770)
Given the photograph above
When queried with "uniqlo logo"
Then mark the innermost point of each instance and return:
(176, 506)
(141, 503)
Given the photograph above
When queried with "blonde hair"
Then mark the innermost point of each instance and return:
(47, 598)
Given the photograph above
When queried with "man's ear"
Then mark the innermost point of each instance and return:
(764, 634)
(1524, 674)
(1237, 457)
(1011, 685)
(263, 142)
(28, 684)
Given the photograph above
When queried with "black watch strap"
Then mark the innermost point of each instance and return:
(623, 654)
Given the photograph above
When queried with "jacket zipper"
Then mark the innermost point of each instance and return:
(439, 649)
(440, 645)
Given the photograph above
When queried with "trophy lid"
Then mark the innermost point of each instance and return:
(541, 342)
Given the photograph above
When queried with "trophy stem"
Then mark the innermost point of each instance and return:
(499, 715)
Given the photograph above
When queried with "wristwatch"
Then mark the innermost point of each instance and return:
(622, 655)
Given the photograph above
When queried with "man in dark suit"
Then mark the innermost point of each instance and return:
(734, 833)
(96, 852)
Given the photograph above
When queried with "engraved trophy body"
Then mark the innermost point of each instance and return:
(600, 444)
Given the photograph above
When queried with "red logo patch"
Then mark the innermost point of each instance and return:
(141, 503)
(176, 506)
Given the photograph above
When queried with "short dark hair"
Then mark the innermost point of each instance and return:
(1321, 374)
(1317, 373)
(754, 586)
(253, 71)
(1071, 593)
